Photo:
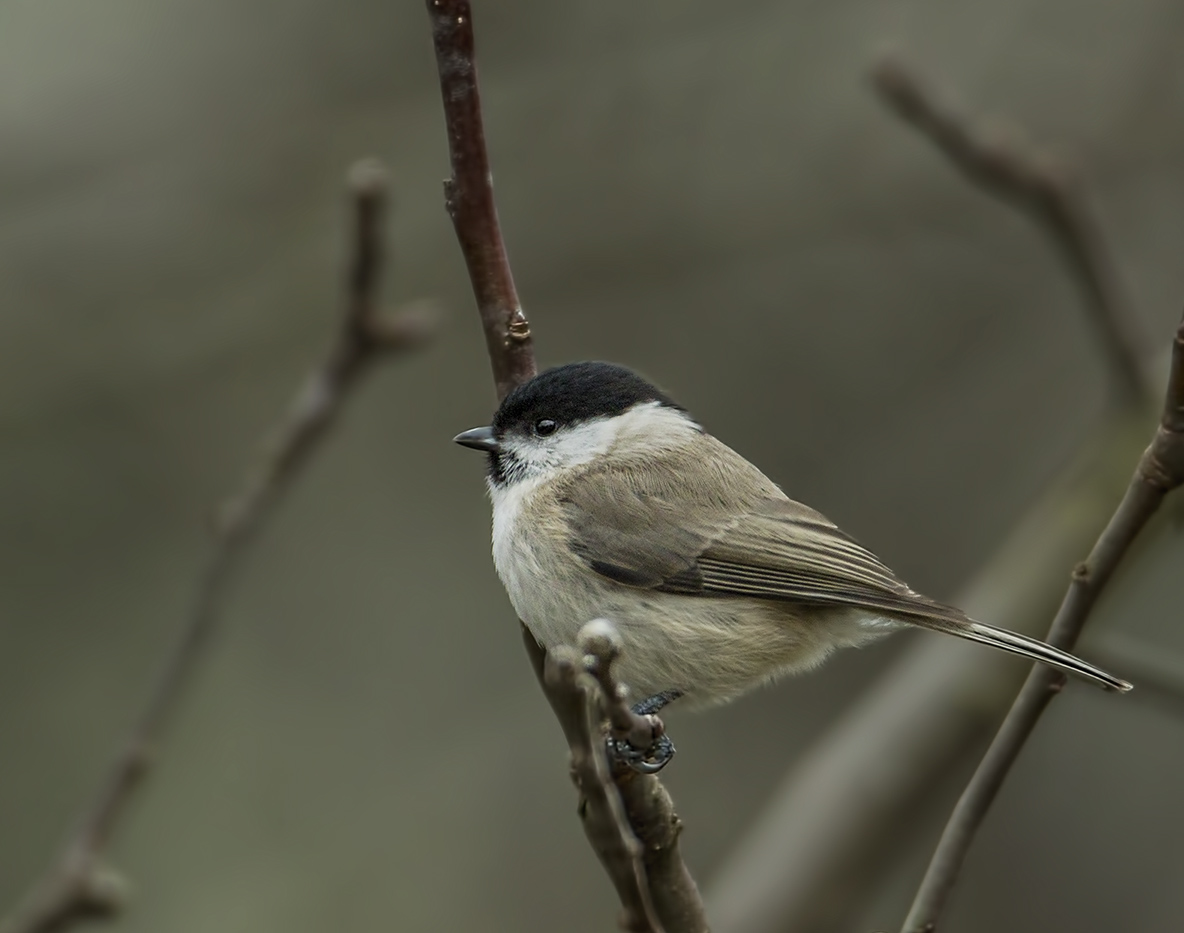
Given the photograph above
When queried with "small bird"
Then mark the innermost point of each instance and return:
(611, 501)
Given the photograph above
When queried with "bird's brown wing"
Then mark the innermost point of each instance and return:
(648, 529)
(651, 532)
(781, 549)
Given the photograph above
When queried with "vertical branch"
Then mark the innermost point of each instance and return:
(1160, 470)
(619, 812)
(79, 887)
(468, 196)
(573, 699)
(629, 818)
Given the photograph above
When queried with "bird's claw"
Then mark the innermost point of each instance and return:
(642, 760)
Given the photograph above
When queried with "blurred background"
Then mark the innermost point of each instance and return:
(707, 193)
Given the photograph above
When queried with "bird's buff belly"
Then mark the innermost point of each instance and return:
(708, 649)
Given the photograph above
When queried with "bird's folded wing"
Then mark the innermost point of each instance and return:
(773, 548)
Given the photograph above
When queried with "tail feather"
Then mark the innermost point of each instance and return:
(1026, 647)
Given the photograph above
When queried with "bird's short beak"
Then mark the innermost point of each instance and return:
(478, 439)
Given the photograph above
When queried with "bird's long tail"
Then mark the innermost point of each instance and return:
(1024, 646)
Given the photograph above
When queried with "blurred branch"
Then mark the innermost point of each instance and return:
(79, 887)
(364, 336)
(839, 813)
(835, 817)
(616, 809)
(1045, 189)
(1160, 470)
(468, 197)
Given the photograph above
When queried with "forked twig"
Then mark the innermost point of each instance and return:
(648, 806)
(574, 697)
(830, 819)
(602, 646)
(1160, 470)
(644, 835)
(1049, 192)
(79, 886)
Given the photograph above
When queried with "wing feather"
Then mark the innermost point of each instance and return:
(648, 529)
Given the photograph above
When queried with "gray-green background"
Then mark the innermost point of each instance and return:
(704, 190)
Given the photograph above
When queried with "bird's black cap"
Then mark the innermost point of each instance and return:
(576, 392)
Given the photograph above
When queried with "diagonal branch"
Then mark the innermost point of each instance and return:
(837, 814)
(1160, 470)
(79, 887)
(1050, 194)
(628, 806)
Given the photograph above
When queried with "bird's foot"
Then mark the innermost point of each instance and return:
(642, 760)
(654, 757)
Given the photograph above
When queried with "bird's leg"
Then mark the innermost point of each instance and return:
(654, 757)
(651, 706)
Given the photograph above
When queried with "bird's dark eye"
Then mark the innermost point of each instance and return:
(544, 426)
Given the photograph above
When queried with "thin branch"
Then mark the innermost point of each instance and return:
(666, 884)
(629, 818)
(648, 806)
(79, 886)
(839, 813)
(572, 695)
(835, 817)
(1160, 470)
(468, 196)
(1049, 192)
(602, 646)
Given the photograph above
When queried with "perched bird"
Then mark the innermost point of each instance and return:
(611, 501)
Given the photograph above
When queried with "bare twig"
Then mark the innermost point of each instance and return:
(638, 845)
(839, 813)
(365, 334)
(1049, 192)
(647, 804)
(834, 818)
(468, 195)
(602, 646)
(651, 814)
(572, 695)
(1160, 470)
(79, 886)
